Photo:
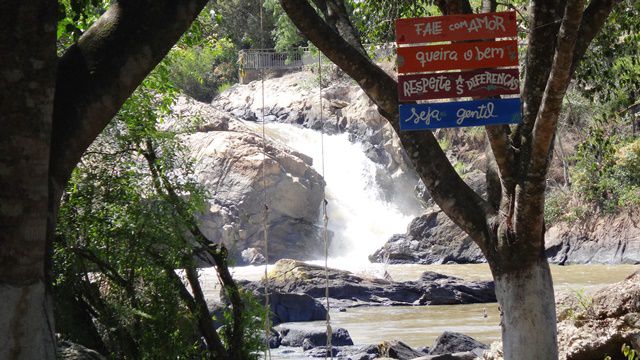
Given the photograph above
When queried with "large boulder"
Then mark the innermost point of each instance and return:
(229, 162)
(297, 336)
(292, 307)
(398, 350)
(432, 238)
(290, 276)
(599, 324)
(452, 342)
(293, 99)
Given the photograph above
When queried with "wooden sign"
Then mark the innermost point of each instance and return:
(459, 114)
(477, 83)
(456, 28)
(472, 55)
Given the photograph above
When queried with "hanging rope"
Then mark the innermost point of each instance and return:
(265, 218)
(325, 221)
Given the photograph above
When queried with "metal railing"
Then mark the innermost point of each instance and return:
(270, 59)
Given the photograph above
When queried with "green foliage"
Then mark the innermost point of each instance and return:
(121, 234)
(113, 222)
(75, 17)
(199, 71)
(253, 321)
(607, 168)
(610, 71)
(239, 21)
(628, 352)
(375, 20)
(285, 34)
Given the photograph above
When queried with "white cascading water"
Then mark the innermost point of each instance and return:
(359, 217)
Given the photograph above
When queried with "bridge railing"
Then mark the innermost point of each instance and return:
(252, 59)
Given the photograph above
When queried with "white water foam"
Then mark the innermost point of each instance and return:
(359, 217)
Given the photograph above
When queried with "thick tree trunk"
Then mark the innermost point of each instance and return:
(27, 75)
(527, 304)
(26, 324)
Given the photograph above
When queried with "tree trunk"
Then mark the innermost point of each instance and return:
(27, 75)
(528, 312)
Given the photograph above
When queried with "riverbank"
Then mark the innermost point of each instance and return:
(420, 325)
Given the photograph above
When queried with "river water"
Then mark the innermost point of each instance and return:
(421, 325)
(362, 221)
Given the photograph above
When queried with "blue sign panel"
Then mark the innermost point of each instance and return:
(459, 114)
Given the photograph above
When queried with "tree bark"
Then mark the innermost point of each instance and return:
(27, 64)
(48, 120)
(528, 313)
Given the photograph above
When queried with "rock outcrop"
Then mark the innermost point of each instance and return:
(293, 99)
(230, 164)
(609, 239)
(348, 290)
(431, 238)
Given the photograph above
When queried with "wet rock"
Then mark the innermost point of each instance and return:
(348, 290)
(441, 289)
(274, 338)
(452, 342)
(398, 350)
(292, 307)
(295, 336)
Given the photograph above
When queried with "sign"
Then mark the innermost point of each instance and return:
(459, 114)
(471, 55)
(425, 70)
(478, 83)
(456, 28)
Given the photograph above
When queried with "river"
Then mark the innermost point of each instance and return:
(362, 221)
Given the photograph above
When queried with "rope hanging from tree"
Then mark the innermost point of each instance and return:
(265, 219)
(325, 219)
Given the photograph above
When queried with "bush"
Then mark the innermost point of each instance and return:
(200, 70)
(607, 170)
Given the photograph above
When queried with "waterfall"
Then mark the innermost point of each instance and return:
(359, 217)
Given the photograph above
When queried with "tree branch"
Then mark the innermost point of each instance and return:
(547, 119)
(98, 73)
(544, 21)
(466, 208)
(503, 153)
(593, 19)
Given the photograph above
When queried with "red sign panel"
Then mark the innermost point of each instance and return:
(473, 55)
(456, 27)
(478, 83)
